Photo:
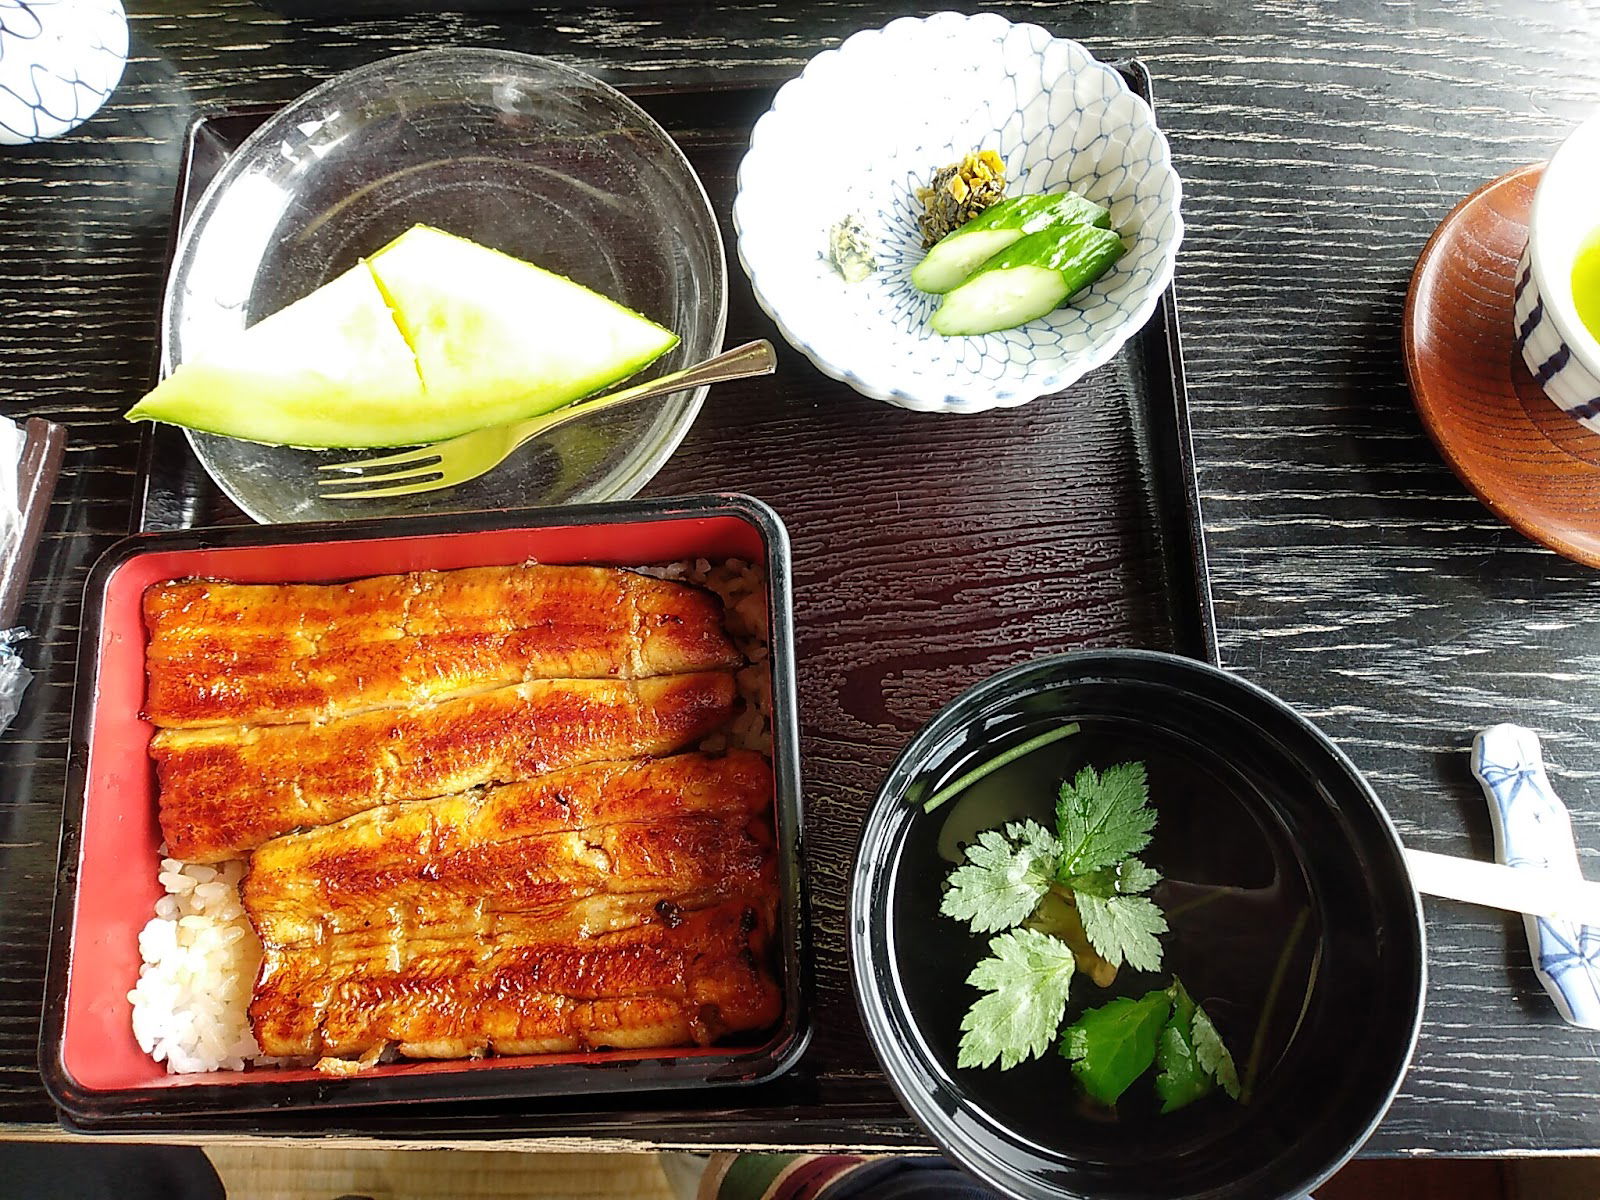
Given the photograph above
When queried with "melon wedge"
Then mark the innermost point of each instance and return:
(431, 337)
(502, 338)
(329, 370)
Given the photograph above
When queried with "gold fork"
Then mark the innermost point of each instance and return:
(445, 464)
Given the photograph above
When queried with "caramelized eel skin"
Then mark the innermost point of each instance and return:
(665, 977)
(225, 791)
(503, 847)
(688, 824)
(615, 905)
(264, 654)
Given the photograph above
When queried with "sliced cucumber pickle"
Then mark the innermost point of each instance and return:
(1035, 274)
(959, 254)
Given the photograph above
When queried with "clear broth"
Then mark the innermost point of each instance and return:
(1233, 892)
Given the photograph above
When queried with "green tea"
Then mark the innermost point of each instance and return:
(1586, 284)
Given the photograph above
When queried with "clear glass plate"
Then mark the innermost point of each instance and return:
(519, 153)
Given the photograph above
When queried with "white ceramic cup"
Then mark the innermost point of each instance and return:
(1562, 354)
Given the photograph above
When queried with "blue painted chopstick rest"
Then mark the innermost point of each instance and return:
(1533, 829)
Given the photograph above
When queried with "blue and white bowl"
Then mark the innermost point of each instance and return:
(59, 62)
(1562, 354)
(866, 124)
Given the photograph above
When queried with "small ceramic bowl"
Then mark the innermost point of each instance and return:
(866, 124)
(1562, 354)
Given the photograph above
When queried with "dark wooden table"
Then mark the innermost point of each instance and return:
(1353, 575)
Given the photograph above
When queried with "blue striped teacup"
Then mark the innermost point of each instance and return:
(1562, 354)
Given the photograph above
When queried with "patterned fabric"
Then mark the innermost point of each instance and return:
(865, 125)
(836, 1177)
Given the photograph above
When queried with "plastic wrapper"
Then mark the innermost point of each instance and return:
(14, 675)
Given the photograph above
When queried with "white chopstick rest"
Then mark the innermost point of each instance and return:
(1533, 832)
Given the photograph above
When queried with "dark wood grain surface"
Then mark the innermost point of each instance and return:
(1353, 574)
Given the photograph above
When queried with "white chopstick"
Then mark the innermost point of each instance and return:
(1532, 890)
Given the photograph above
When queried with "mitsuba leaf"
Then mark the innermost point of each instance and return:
(1127, 879)
(1003, 878)
(1123, 928)
(1182, 1080)
(1111, 1046)
(1132, 876)
(1102, 819)
(1026, 976)
(1213, 1055)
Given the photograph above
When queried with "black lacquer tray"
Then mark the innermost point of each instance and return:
(929, 551)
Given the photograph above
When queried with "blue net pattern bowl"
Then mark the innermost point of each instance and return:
(865, 125)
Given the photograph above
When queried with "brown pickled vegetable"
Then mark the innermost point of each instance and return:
(960, 192)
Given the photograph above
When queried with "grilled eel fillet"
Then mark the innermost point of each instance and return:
(689, 823)
(612, 904)
(659, 976)
(225, 791)
(265, 654)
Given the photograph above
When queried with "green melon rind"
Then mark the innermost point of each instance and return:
(376, 358)
(327, 370)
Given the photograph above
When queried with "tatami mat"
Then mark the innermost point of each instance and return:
(300, 1173)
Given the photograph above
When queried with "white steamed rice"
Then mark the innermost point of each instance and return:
(191, 1005)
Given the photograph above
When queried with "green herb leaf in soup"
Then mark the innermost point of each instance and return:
(1127, 878)
(1123, 929)
(1026, 977)
(1102, 819)
(1213, 1055)
(1191, 1055)
(1182, 1080)
(1058, 916)
(1111, 1046)
(1005, 875)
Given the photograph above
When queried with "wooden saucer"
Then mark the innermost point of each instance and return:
(1534, 466)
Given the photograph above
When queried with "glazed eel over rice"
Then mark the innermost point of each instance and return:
(495, 810)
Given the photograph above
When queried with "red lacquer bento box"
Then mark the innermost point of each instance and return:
(107, 880)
